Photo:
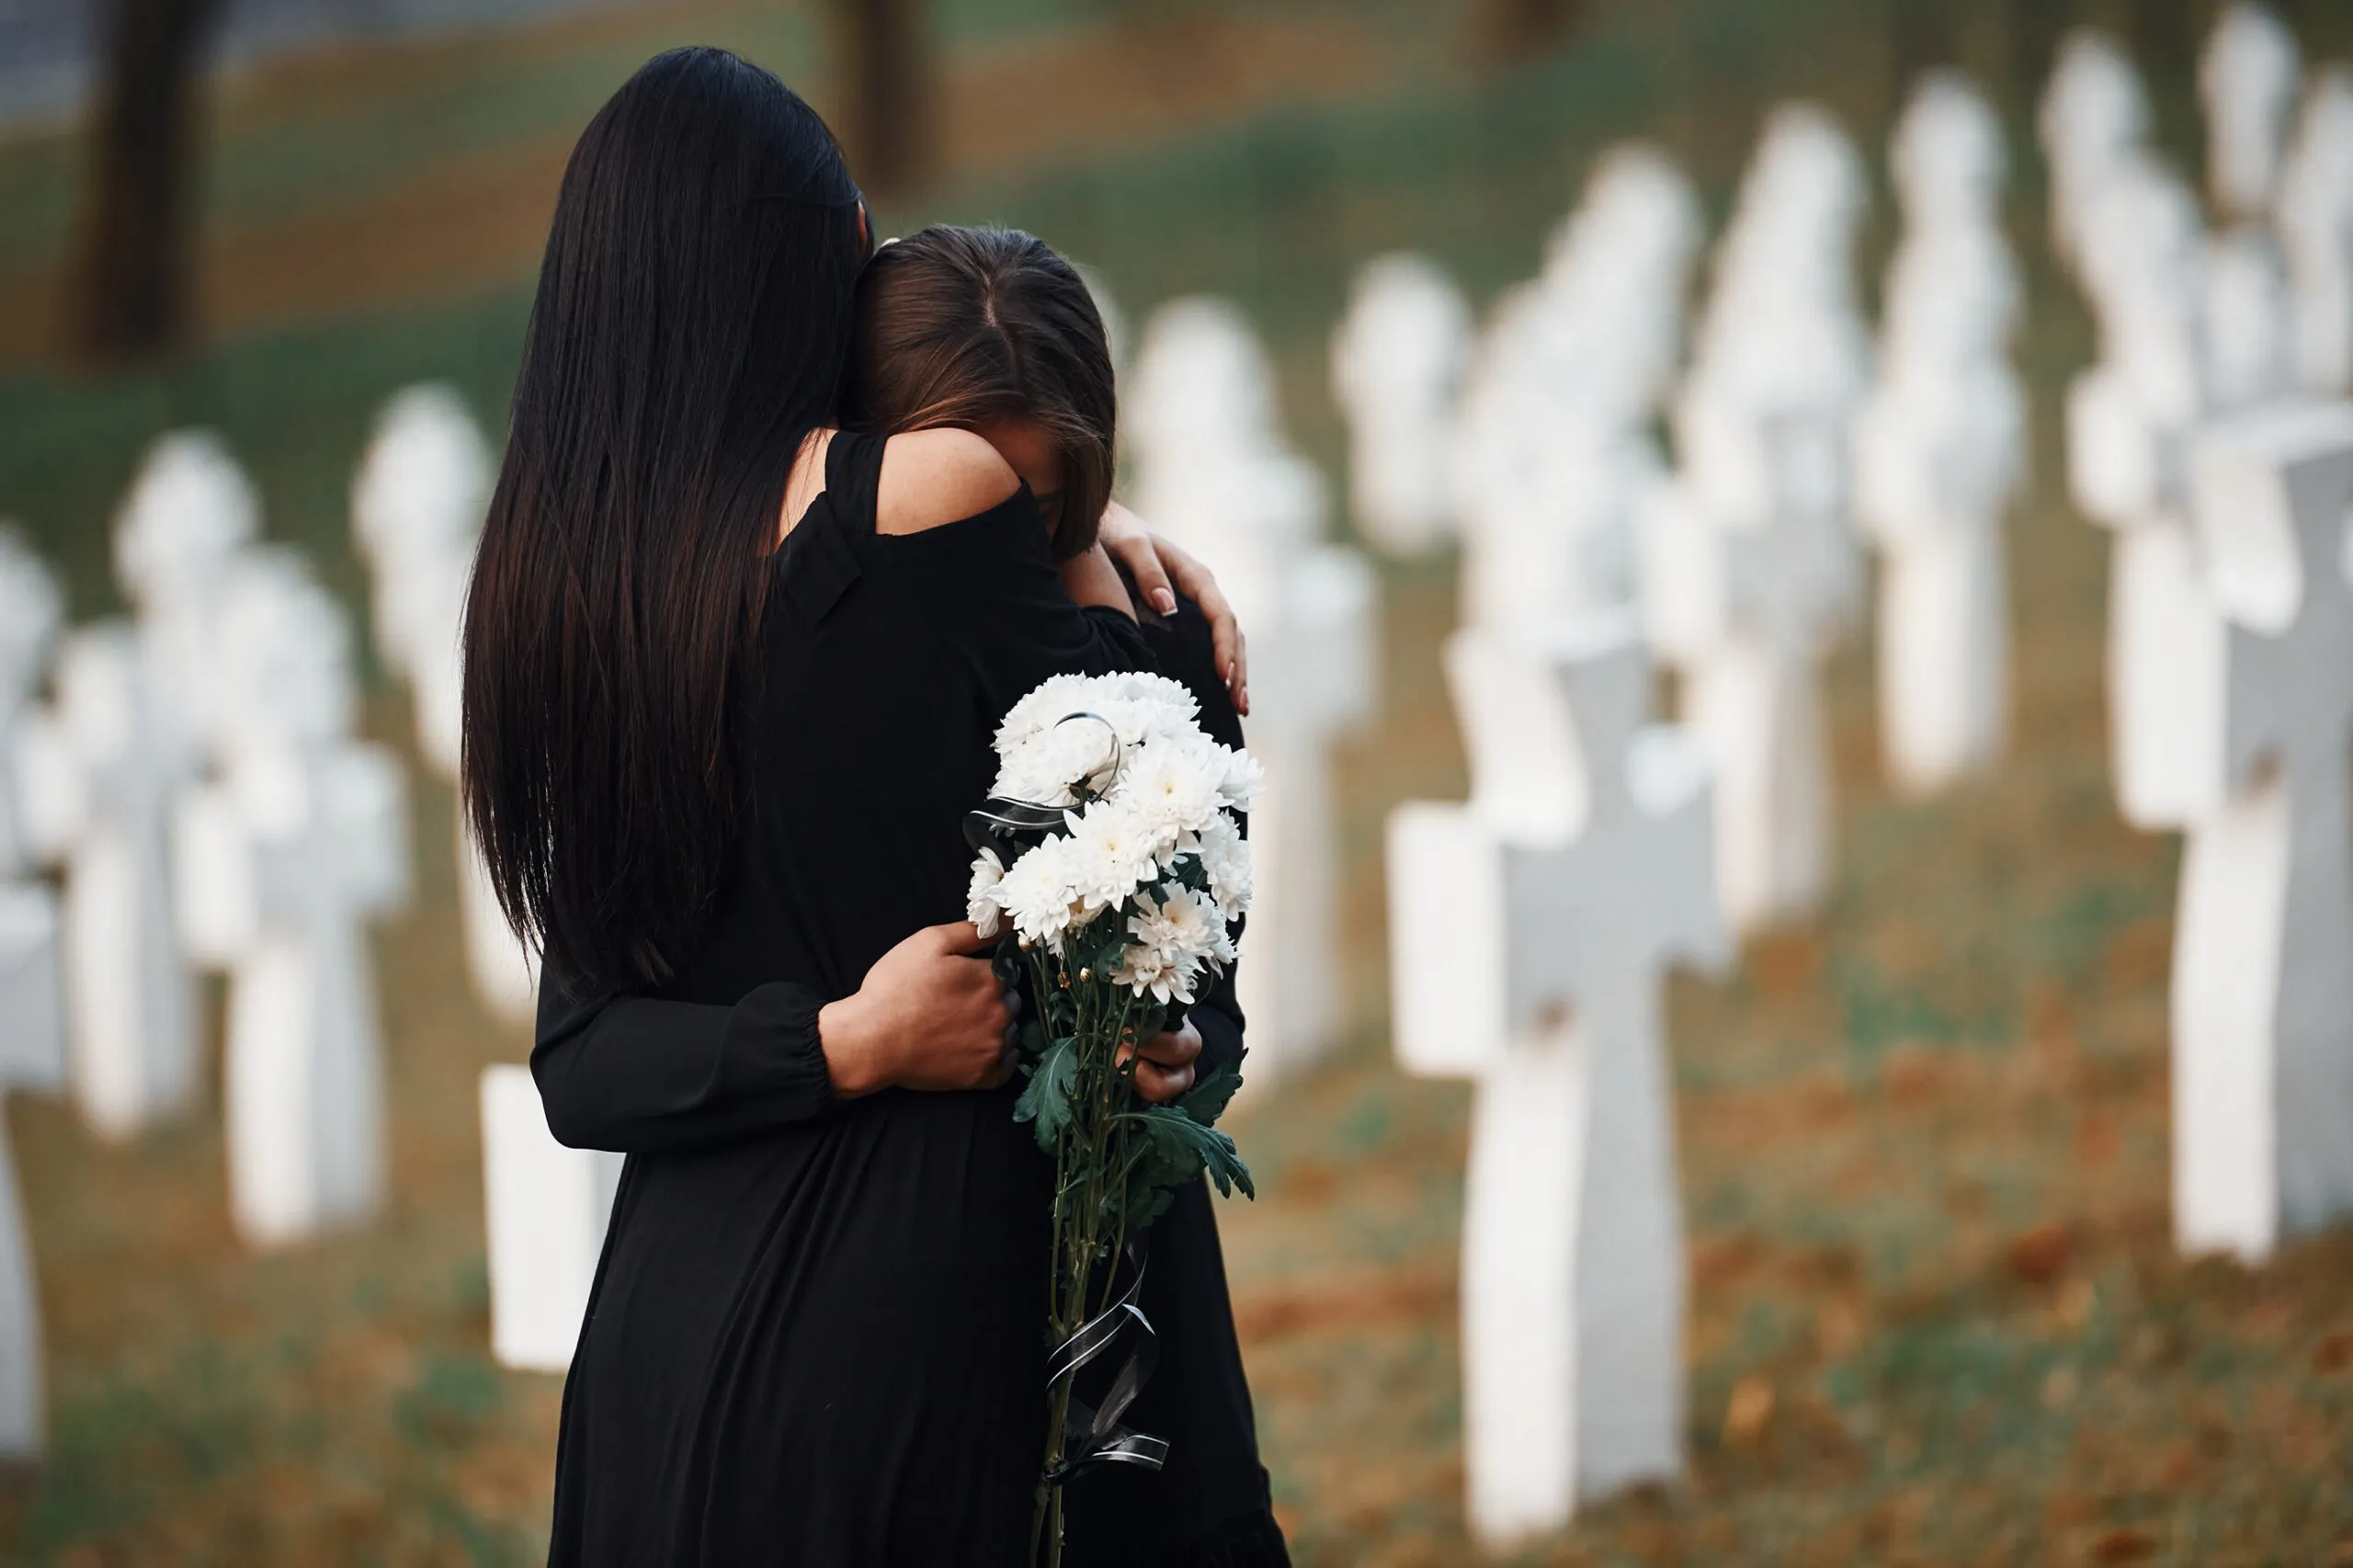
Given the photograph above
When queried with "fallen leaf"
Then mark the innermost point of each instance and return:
(2124, 1546)
(2040, 1255)
(1749, 1409)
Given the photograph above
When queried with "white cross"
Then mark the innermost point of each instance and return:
(1555, 457)
(1216, 476)
(2263, 956)
(32, 1056)
(32, 1021)
(2094, 118)
(2316, 220)
(2248, 76)
(1528, 932)
(283, 861)
(1750, 567)
(1940, 446)
(2130, 420)
(417, 502)
(1397, 363)
(548, 1210)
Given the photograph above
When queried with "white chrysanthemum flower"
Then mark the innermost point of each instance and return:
(1113, 852)
(1244, 778)
(1050, 769)
(1172, 786)
(1056, 697)
(979, 897)
(1142, 969)
(1185, 928)
(1038, 896)
(1225, 858)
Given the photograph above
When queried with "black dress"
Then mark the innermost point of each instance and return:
(814, 1336)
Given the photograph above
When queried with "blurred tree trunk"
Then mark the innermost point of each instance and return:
(132, 275)
(1510, 31)
(886, 75)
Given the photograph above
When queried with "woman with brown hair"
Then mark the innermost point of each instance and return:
(730, 676)
(989, 330)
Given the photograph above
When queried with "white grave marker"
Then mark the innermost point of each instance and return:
(136, 705)
(1554, 455)
(418, 503)
(302, 841)
(32, 1013)
(2315, 221)
(1216, 476)
(1750, 567)
(1940, 448)
(1529, 931)
(2130, 420)
(2093, 119)
(1396, 369)
(2263, 954)
(548, 1210)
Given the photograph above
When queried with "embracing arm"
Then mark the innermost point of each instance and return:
(642, 1074)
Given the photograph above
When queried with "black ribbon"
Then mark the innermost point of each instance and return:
(1092, 1434)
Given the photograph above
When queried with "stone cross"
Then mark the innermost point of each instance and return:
(2130, 419)
(1215, 475)
(548, 1210)
(417, 502)
(1555, 457)
(2247, 78)
(2316, 223)
(1528, 932)
(136, 707)
(2263, 953)
(1750, 567)
(1940, 448)
(1396, 369)
(32, 1016)
(300, 842)
(2094, 119)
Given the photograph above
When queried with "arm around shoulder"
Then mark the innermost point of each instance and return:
(931, 478)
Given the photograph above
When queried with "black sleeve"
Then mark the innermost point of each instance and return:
(642, 1075)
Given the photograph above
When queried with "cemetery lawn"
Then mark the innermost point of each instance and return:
(1936, 1317)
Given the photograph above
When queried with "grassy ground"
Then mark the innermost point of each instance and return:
(1936, 1315)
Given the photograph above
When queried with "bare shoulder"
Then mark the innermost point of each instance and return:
(933, 477)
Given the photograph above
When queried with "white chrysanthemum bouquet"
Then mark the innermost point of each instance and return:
(1110, 867)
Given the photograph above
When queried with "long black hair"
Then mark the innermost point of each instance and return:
(692, 324)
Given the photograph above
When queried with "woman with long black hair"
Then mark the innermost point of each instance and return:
(730, 675)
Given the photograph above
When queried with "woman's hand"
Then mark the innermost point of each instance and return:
(928, 1016)
(1164, 1064)
(1156, 564)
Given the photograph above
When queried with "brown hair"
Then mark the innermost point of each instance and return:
(964, 327)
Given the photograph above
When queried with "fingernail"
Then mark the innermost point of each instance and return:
(1164, 601)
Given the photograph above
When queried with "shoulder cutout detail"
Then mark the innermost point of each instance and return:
(931, 478)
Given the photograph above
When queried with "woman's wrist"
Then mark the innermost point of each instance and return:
(844, 1032)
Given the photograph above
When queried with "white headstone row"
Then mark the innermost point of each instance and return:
(2200, 438)
(1215, 473)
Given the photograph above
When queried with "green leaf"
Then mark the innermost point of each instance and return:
(1046, 1098)
(1178, 1137)
(1207, 1100)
